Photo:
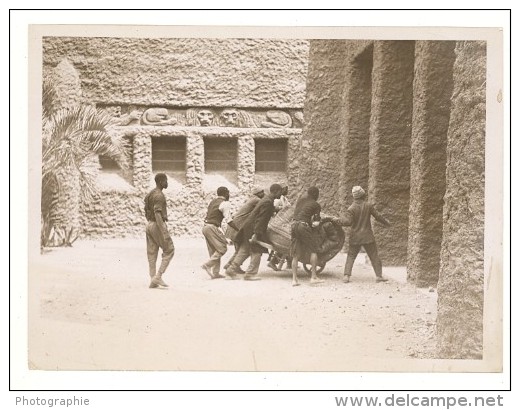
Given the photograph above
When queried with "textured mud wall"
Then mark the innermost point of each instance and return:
(67, 85)
(246, 162)
(186, 72)
(355, 120)
(294, 165)
(68, 94)
(142, 160)
(433, 87)
(390, 133)
(321, 141)
(461, 277)
(260, 81)
(118, 211)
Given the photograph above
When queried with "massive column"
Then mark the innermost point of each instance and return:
(390, 132)
(246, 163)
(293, 165)
(355, 123)
(194, 161)
(142, 159)
(432, 89)
(65, 213)
(321, 140)
(461, 276)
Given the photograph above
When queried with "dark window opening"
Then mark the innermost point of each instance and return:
(220, 154)
(108, 164)
(168, 154)
(271, 155)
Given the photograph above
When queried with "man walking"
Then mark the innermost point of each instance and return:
(303, 239)
(218, 210)
(157, 235)
(238, 221)
(254, 228)
(358, 217)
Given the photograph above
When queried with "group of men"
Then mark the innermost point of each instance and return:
(247, 231)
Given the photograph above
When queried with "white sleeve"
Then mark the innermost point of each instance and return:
(225, 208)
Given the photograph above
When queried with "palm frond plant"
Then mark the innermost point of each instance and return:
(71, 136)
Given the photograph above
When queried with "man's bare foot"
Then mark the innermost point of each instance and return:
(295, 283)
(315, 281)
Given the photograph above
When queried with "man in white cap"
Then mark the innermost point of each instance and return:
(361, 235)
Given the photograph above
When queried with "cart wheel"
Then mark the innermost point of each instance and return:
(319, 268)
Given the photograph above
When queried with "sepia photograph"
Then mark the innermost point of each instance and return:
(265, 199)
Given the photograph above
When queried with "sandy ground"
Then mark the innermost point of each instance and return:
(93, 310)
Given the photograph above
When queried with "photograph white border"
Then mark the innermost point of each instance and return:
(23, 379)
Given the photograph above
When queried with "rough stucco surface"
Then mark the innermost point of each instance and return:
(321, 141)
(263, 80)
(294, 165)
(121, 214)
(118, 210)
(67, 85)
(461, 278)
(118, 213)
(355, 120)
(390, 132)
(246, 163)
(433, 87)
(68, 94)
(186, 72)
(194, 160)
(142, 160)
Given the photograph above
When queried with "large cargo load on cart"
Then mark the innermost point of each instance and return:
(330, 236)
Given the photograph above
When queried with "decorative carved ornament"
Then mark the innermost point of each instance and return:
(203, 117)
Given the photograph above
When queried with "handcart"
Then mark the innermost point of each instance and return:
(329, 234)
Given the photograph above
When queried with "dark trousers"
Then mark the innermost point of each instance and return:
(243, 252)
(232, 259)
(371, 250)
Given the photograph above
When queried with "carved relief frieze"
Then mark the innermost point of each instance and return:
(277, 119)
(158, 116)
(129, 115)
(205, 118)
(229, 117)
